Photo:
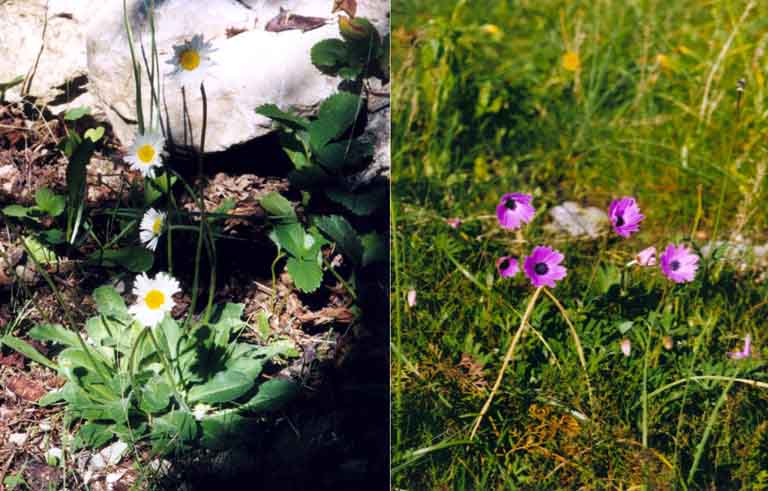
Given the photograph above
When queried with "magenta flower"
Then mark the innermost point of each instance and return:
(625, 216)
(507, 266)
(543, 266)
(646, 257)
(745, 353)
(679, 264)
(514, 209)
(453, 222)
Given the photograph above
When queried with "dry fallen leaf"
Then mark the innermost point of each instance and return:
(348, 6)
(26, 388)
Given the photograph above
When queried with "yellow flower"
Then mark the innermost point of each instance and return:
(571, 61)
(493, 30)
(663, 61)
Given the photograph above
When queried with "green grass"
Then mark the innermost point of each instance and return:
(482, 105)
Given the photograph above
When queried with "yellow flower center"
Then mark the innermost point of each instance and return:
(571, 61)
(154, 299)
(157, 226)
(146, 153)
(189, 59)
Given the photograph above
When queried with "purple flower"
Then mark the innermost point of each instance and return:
(679, 264)
(543, 266)
(625, 216)
(646, 257)
(507, 266)
(514, 209)
(453, 222)
(745, 353)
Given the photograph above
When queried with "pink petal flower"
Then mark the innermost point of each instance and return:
(507, 266)
(679, 264)
(745, 353)
(412, 298)
(625, 216)
(453, 222)
(514, 209)
(646, 257)
(626, 346)
(543, 267)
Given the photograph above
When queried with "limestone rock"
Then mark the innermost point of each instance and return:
(61, 71)
(575, 220)
(252, 67)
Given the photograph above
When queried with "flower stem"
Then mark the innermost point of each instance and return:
(507, 360)
(168, 371)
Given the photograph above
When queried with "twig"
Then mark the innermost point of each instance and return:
(27, 85)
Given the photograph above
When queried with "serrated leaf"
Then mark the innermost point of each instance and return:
(109, 302)
(374, 249)
(27, 350)
(338, 229)
(291, 238)
(307, 274)
(273, 112)
(361, 202)
(155, 395)
(337, 113)
(179, 424)
(55, 333)
(223, 387)
(330, 55)
(272, 395)
(135, 259)
(310, 177)
(92, 435)
(277, 206)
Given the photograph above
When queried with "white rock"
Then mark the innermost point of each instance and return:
(251, 69)
(18, 439)
(573, 219)
(63, 58)
(113, 454)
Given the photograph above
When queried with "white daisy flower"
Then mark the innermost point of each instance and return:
(146, 153)
(154, 298)
(151, 227)
(191, 61)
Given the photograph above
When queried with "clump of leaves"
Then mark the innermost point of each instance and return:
(173, 384)
(362, 53)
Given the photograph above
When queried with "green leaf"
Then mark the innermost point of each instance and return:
(16, 211)
(277, 206)
(224, 387)
(109, 303)
(360, 202)
(273, 112)
(375, 249)
(336, 115)
(340, 231)
(155, 395)
(27, 350)
(272, 395)
(94, 134)
(39, 252)
(329, 55)
(291, 238)
(225, 320)
(51, 398)
(306, 274)
(336, 156)
(56, 333)
(53, 236)
(625, 326)
(92, 435)
(135, 259)
(226, 431)
(12, 83)
(311, 177)
(49, 202)
(177, 423)
(157, 187)
(76, 113)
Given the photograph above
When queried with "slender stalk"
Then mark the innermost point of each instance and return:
(507, 360)
(707, 431)
(645, 387)
(341, 280)
(136, 69)
(67, 313)
(576, 341)
(168, 371)
(168, 227)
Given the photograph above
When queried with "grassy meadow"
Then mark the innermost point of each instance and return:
(587, 102)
